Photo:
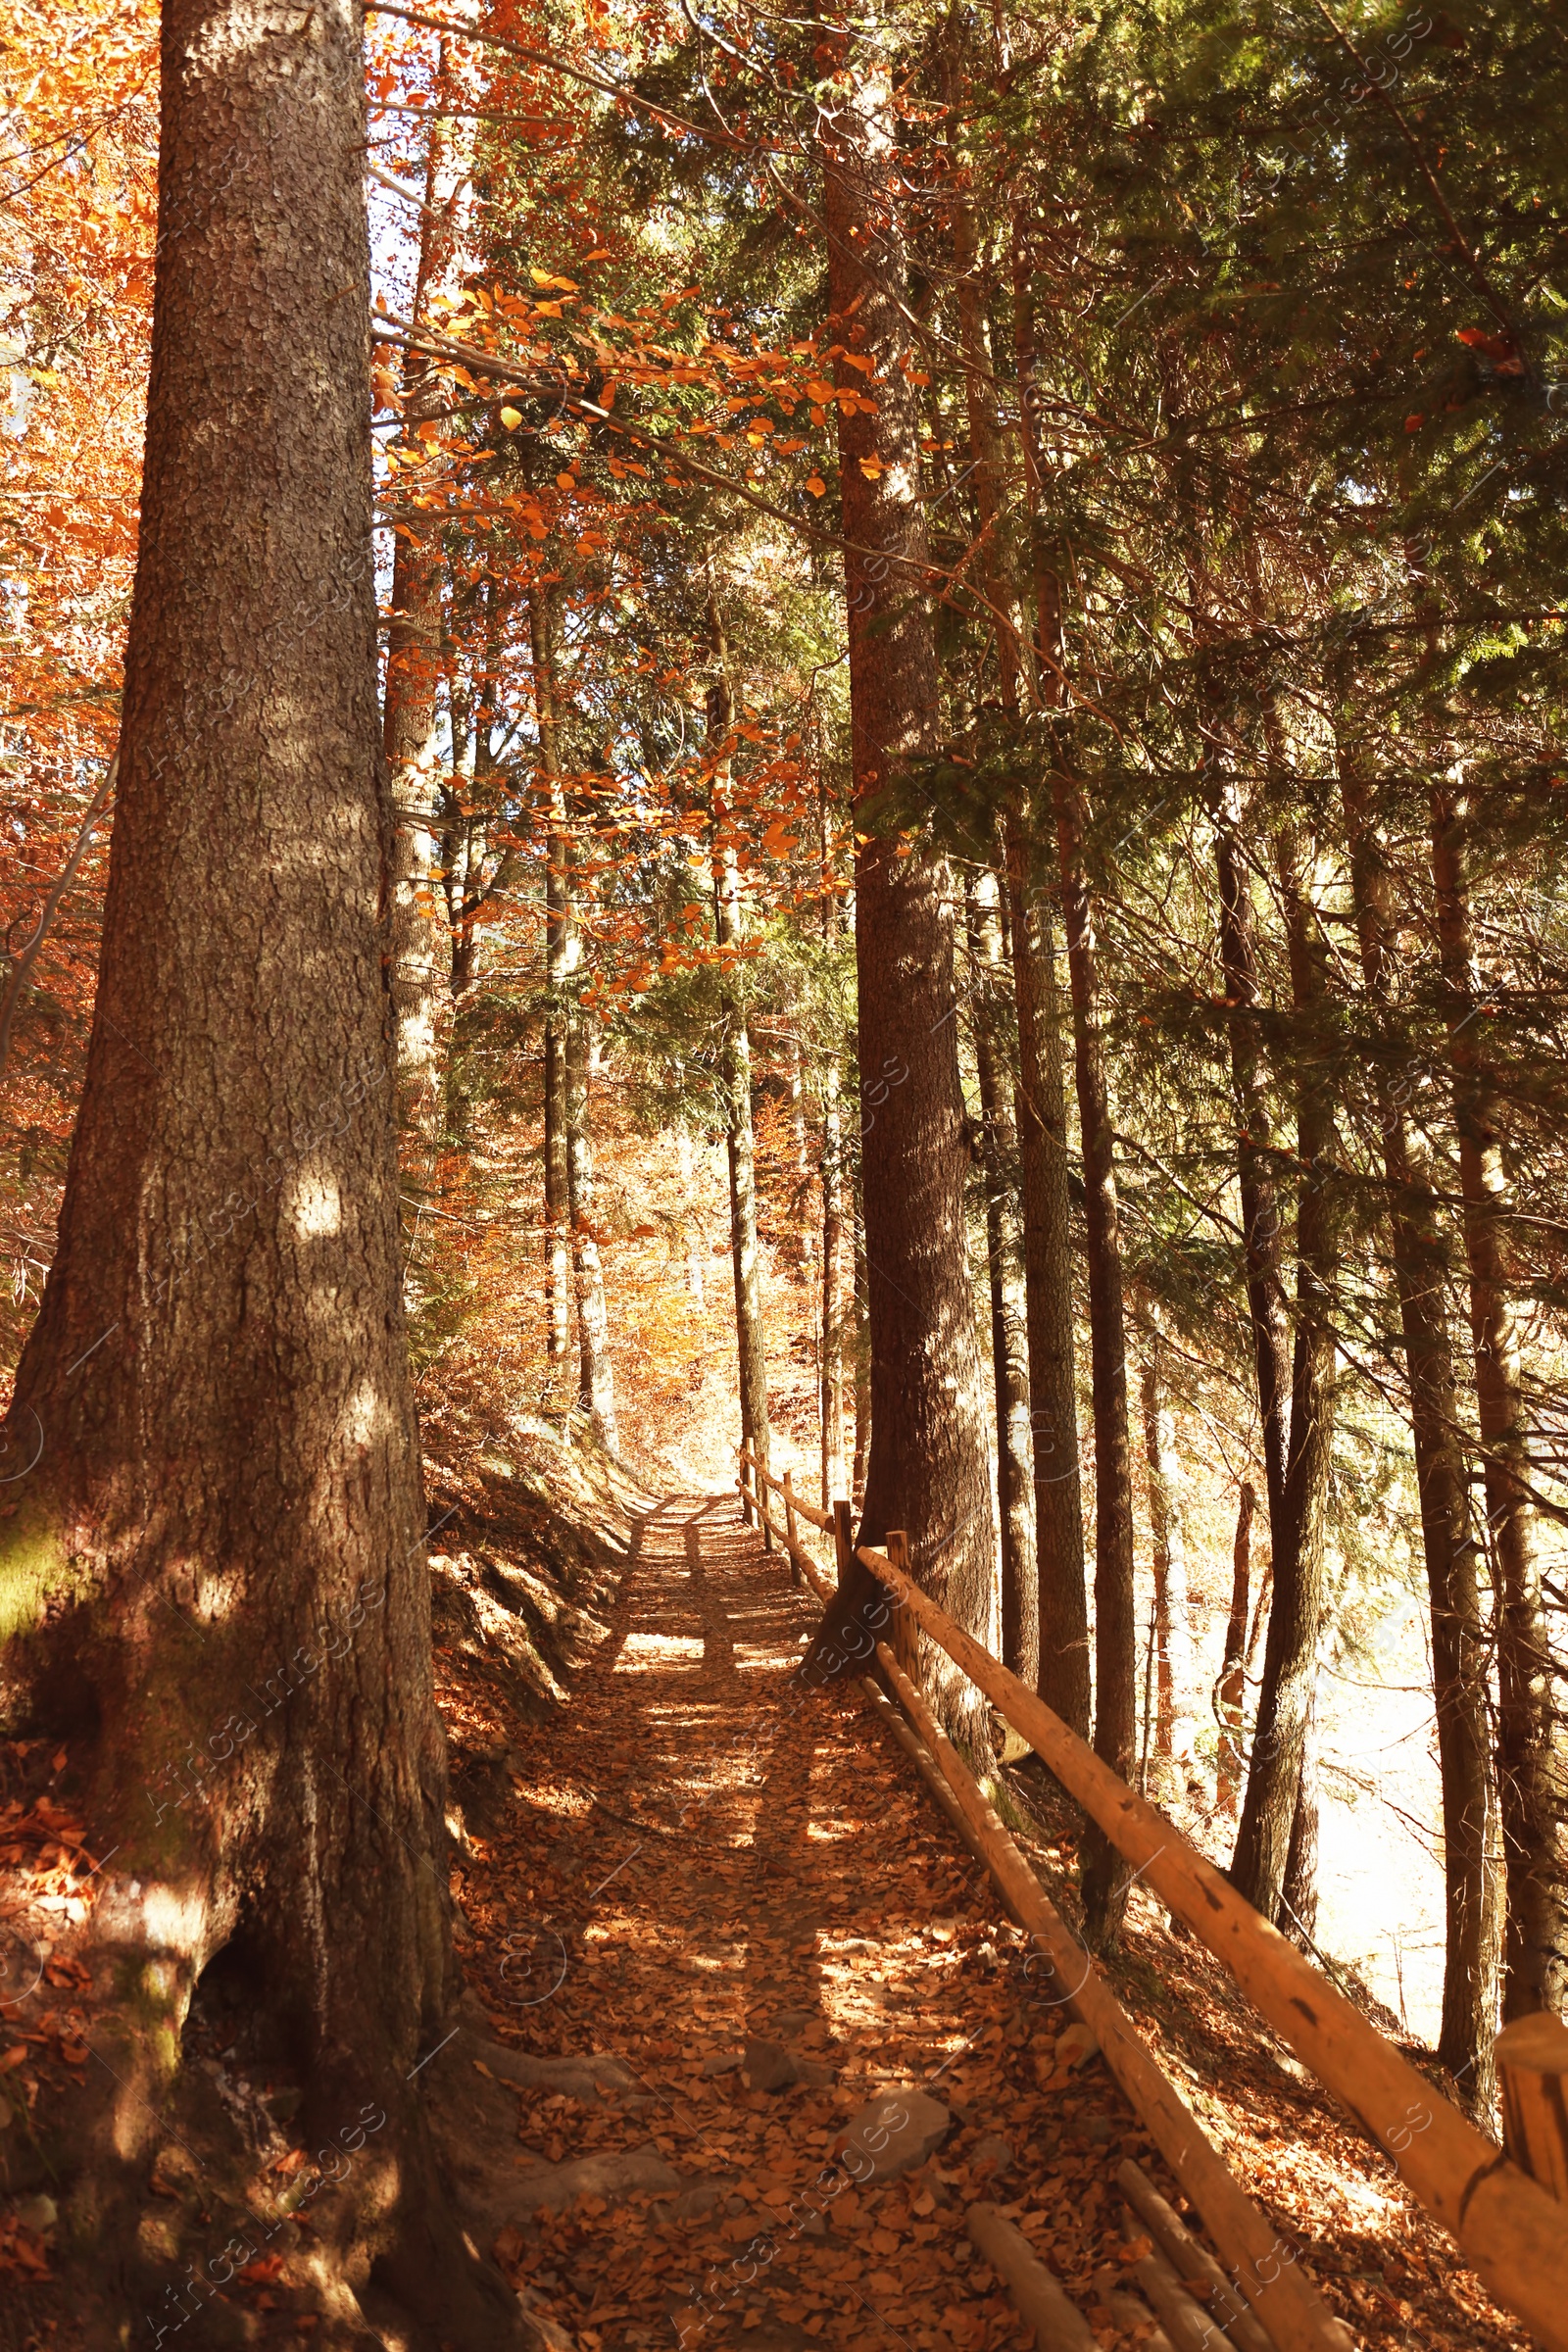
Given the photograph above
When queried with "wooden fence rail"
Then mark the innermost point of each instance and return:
(1512, 2230)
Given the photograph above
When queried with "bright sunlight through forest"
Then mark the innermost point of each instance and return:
(784, 1036)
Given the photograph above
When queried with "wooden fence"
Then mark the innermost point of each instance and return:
(1511, 2228)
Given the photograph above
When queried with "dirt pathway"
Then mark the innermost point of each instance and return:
(728, 1898)
(737, 1886)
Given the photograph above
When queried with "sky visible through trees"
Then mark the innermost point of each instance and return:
(972, 889)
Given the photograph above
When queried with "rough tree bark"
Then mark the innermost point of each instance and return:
(1295, 1615)
(1020, 1599)
(214, 1580)
(1421, 1271)
(735, 1068)
(1531, 1753)
(861, 1330)
(927, 1472)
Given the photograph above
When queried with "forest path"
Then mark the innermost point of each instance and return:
(760, 1911)
(731, 1893)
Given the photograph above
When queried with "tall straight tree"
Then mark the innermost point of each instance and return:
(1060, 1610)
(562, 952)
(1286, 1701)
(1043, 1164)
(220, 1548)
(414, 657)
(1422, 1275)
(928, 1471)
(1532, 1751)
(1020, 1595)
(735, 1057)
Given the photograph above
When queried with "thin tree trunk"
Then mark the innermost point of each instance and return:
(1047, 1216)
(832, 1182)
(1261, 1217)
(1532, 1768)
(413, 664)
(1458, 1646)
(1296, 1616)
(1232, 1671)
(927, 1472)
(1043, 1166)
(802, 1162)
(597, 1394)
(1115, 1628)
(220, 1544)
(596, 1379)
(735, 1072)
(836, 1308)
(1174, 1722)
(563, 953)
(1020, 1631)
(1299, 1904)
(1060, 1606)
(696, 1289)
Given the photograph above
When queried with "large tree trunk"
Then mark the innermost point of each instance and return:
(928, 1472)
(1458, 1646)
(1296, 1616)
(562, 957)
(1020, 1632)
(1532, 1767)
(413, 662)
(735, 1074)
(216, 1565)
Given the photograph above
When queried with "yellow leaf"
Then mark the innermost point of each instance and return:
(512, 418)
(542, 277)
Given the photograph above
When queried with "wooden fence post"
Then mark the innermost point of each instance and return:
(906, 1643)
(746, 1500)
(1531, 2066)
(842, 1536)
(766, 1483)
(792, 1540)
